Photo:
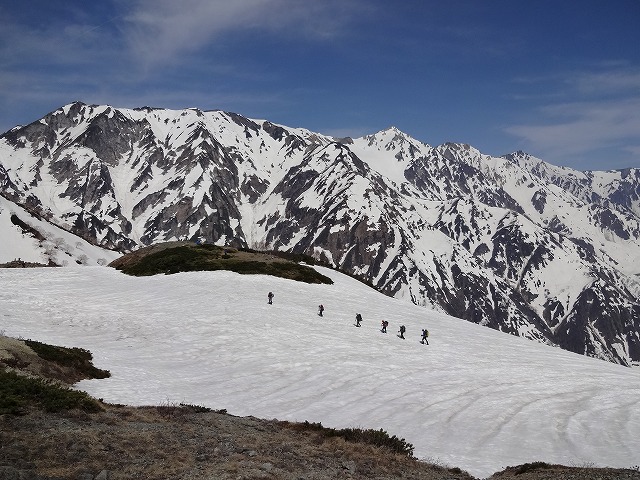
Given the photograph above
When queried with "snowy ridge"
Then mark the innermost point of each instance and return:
(511, 242)
(473, 398)
(27, 238)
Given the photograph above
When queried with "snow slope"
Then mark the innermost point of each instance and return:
(474, 398)
(56, 244)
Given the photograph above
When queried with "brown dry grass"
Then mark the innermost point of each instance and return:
(146, 443)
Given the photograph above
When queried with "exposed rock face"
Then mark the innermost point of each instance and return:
(510, 242)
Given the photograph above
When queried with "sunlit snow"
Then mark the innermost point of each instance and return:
(57, 245)
(474, 398)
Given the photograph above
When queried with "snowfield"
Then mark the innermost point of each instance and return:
(57, 245)
(474, 398)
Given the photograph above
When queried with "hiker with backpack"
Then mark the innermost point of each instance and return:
(358, 319)
(425, 334)
(402, 330)
(385, 324)
(320, 309)
(270, 297)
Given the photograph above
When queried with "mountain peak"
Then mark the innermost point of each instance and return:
(391, 131)
(392, 137)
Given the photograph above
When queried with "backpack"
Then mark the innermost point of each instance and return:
(402, 329)
(426, 333)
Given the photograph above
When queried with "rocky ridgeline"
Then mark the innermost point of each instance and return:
(17, 263)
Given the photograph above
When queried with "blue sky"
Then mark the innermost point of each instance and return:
(557, 79)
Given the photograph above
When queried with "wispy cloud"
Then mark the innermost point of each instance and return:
(134, 52)
(608, 82)
(575, 128)
(603, 113)
(158, 32)
(56, 43)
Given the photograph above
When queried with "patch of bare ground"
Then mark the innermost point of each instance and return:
(182, 443)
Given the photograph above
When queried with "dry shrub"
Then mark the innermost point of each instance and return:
(369, 436)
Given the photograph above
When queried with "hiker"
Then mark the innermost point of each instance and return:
(358, 319)
(270, 297)
(320, 309)
(385, 324)
(425, 334)
(402, 330)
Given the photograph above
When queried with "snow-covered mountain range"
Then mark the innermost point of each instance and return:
(510, 242)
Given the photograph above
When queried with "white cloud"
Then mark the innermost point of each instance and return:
(604, 112)
(609, 82)
(158, 32)
(587, 125)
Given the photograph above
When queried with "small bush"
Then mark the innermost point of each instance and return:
(14, 363)
(196, 408)
(378, 438)
(19, 393)
(173, 409)
(76, 358)
(529, 467)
